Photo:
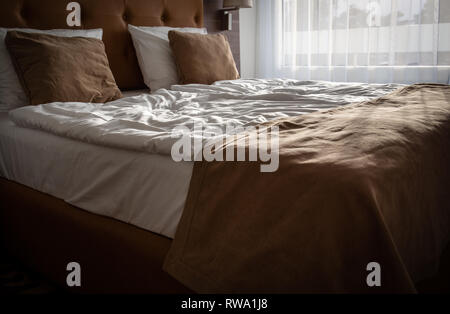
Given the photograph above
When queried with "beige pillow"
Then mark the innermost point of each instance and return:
(62, 69)
(202, 59)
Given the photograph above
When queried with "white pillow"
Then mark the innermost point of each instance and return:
(12, 94)
(155, 55)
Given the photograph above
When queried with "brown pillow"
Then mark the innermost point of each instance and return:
(53, 68)
(202, 59)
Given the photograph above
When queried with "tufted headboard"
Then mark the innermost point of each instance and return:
(111, 15)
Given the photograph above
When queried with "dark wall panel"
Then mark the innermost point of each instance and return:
(215, 23)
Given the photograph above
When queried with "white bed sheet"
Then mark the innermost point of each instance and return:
(147, 122)
(146, 190)
(112, 159)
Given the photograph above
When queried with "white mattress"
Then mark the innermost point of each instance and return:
(148, 191)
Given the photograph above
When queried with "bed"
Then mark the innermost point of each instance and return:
(51, 212)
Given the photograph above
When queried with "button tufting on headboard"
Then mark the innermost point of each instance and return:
(111, 15)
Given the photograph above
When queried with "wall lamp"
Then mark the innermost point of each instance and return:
(233, 5)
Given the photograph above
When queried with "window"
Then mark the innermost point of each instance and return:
(403, 41)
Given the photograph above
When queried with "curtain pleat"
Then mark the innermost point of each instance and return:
(374, 41)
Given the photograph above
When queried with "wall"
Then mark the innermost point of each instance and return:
(243, 36)
(247, 23)
(215, 23)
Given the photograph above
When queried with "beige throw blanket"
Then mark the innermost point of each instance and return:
(364, 183)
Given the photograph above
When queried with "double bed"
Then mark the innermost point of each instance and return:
(111, 198)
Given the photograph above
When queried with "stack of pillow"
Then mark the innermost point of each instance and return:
(169, 56)
(38, 67)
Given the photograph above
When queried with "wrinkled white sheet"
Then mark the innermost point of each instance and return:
(145, 190)
(119, 178)
(146, 122)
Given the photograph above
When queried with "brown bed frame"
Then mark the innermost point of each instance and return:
(45, 233)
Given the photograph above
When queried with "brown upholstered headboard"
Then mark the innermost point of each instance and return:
(111, 15)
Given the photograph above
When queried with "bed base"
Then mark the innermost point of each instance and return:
(45, 234)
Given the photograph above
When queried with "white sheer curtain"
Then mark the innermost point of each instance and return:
(376, 41)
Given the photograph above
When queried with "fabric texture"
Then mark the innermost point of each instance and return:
(144, 190)
(153, 186)
(146, 123)
(202, 59)
(358, 184)
(155, 56)
(12, 94)
(379, 41)
(53, 68)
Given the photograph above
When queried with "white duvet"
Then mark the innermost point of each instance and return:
(146, 122)
(132, 184)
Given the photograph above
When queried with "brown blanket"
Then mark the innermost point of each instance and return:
(363, 183)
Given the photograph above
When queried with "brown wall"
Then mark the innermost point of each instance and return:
(215, 23)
